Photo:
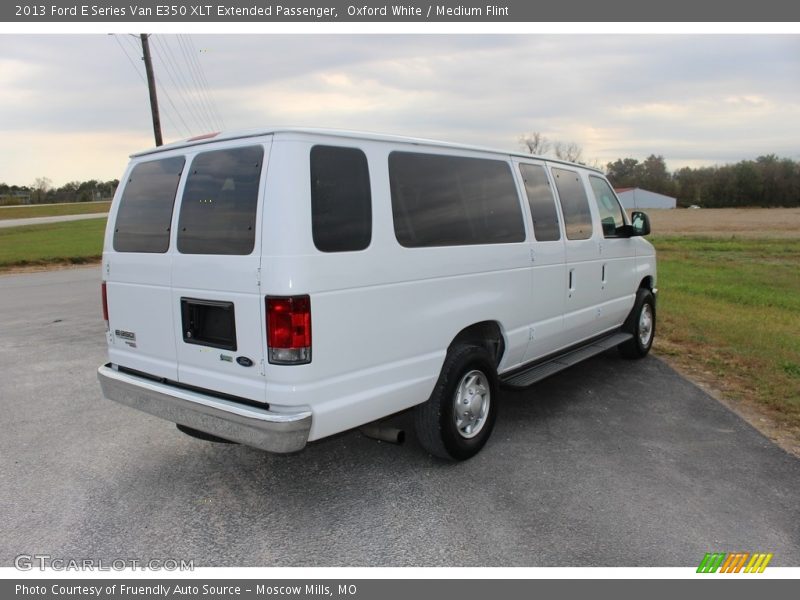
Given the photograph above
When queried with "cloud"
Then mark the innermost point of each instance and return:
(701, 99)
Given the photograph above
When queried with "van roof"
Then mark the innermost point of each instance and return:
(342, 133)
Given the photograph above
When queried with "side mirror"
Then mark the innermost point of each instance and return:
(640, 223)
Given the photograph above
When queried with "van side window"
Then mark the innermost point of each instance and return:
(218, 210)
(453, 200)
(574, 204)
(145, 209)
(542, 203)
(611, 216)
(341, 203)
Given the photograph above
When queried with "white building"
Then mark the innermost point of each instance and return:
(636, 198)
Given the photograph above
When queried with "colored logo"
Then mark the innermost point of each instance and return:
(734, 562)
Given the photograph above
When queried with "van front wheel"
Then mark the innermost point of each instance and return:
(642, 324)
(458, 418)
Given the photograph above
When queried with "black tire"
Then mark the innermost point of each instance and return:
(637, 324)
(435, 421)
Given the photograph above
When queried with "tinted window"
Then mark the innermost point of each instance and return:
(574, 204)
(341, 206)
(145, 209)
(610, 211)
(218, 210)
(452, 200)
(543, 205)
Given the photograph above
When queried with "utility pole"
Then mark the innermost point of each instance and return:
(151, 85)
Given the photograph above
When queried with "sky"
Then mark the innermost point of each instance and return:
(73, 107)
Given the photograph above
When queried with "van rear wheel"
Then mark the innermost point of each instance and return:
(458, 418)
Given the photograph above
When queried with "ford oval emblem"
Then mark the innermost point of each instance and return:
(244, 361)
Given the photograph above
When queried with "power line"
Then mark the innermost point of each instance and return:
(178, 113)
(191, 51)
(172, 72)
(205, 81)
(130, 60)
(188, 81)
(142, 78)
(199, 90)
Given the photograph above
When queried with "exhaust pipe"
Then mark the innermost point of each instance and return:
(202, 435)
(383, 433)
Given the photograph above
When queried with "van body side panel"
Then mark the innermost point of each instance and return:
(356, 339)
(646, 265)
(383, 317)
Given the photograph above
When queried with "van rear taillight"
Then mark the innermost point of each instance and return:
(105, 303)
(289, 330)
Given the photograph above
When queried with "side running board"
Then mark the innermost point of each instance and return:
(551, 366)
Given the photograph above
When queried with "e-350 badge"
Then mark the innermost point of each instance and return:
(129, 337)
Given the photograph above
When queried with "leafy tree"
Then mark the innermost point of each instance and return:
(625, 172)
(655, 176)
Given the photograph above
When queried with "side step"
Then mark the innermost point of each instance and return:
(537, 372)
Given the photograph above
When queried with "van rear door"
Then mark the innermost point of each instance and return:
(137, 268)
(217, 306)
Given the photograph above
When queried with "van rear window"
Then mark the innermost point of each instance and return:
(218, 209)
(453, 201)
(341, 203)
(145, 209)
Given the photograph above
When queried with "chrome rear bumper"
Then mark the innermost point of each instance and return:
(263, 429)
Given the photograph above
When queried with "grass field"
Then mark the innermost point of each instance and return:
(71, 242)
(52, 210)
(729, 308)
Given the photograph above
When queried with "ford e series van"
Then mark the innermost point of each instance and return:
(275, 287)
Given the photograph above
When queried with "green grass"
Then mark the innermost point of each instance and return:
(68, 242)
(731, 307)
(52, 210)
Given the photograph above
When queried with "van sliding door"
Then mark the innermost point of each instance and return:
(546, 308)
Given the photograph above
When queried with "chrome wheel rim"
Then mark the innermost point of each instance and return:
(645, 325)
(471, 404)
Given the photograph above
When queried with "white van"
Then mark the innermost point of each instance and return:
(276, 287)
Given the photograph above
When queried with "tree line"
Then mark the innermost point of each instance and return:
(767, 181)
(43, 192)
